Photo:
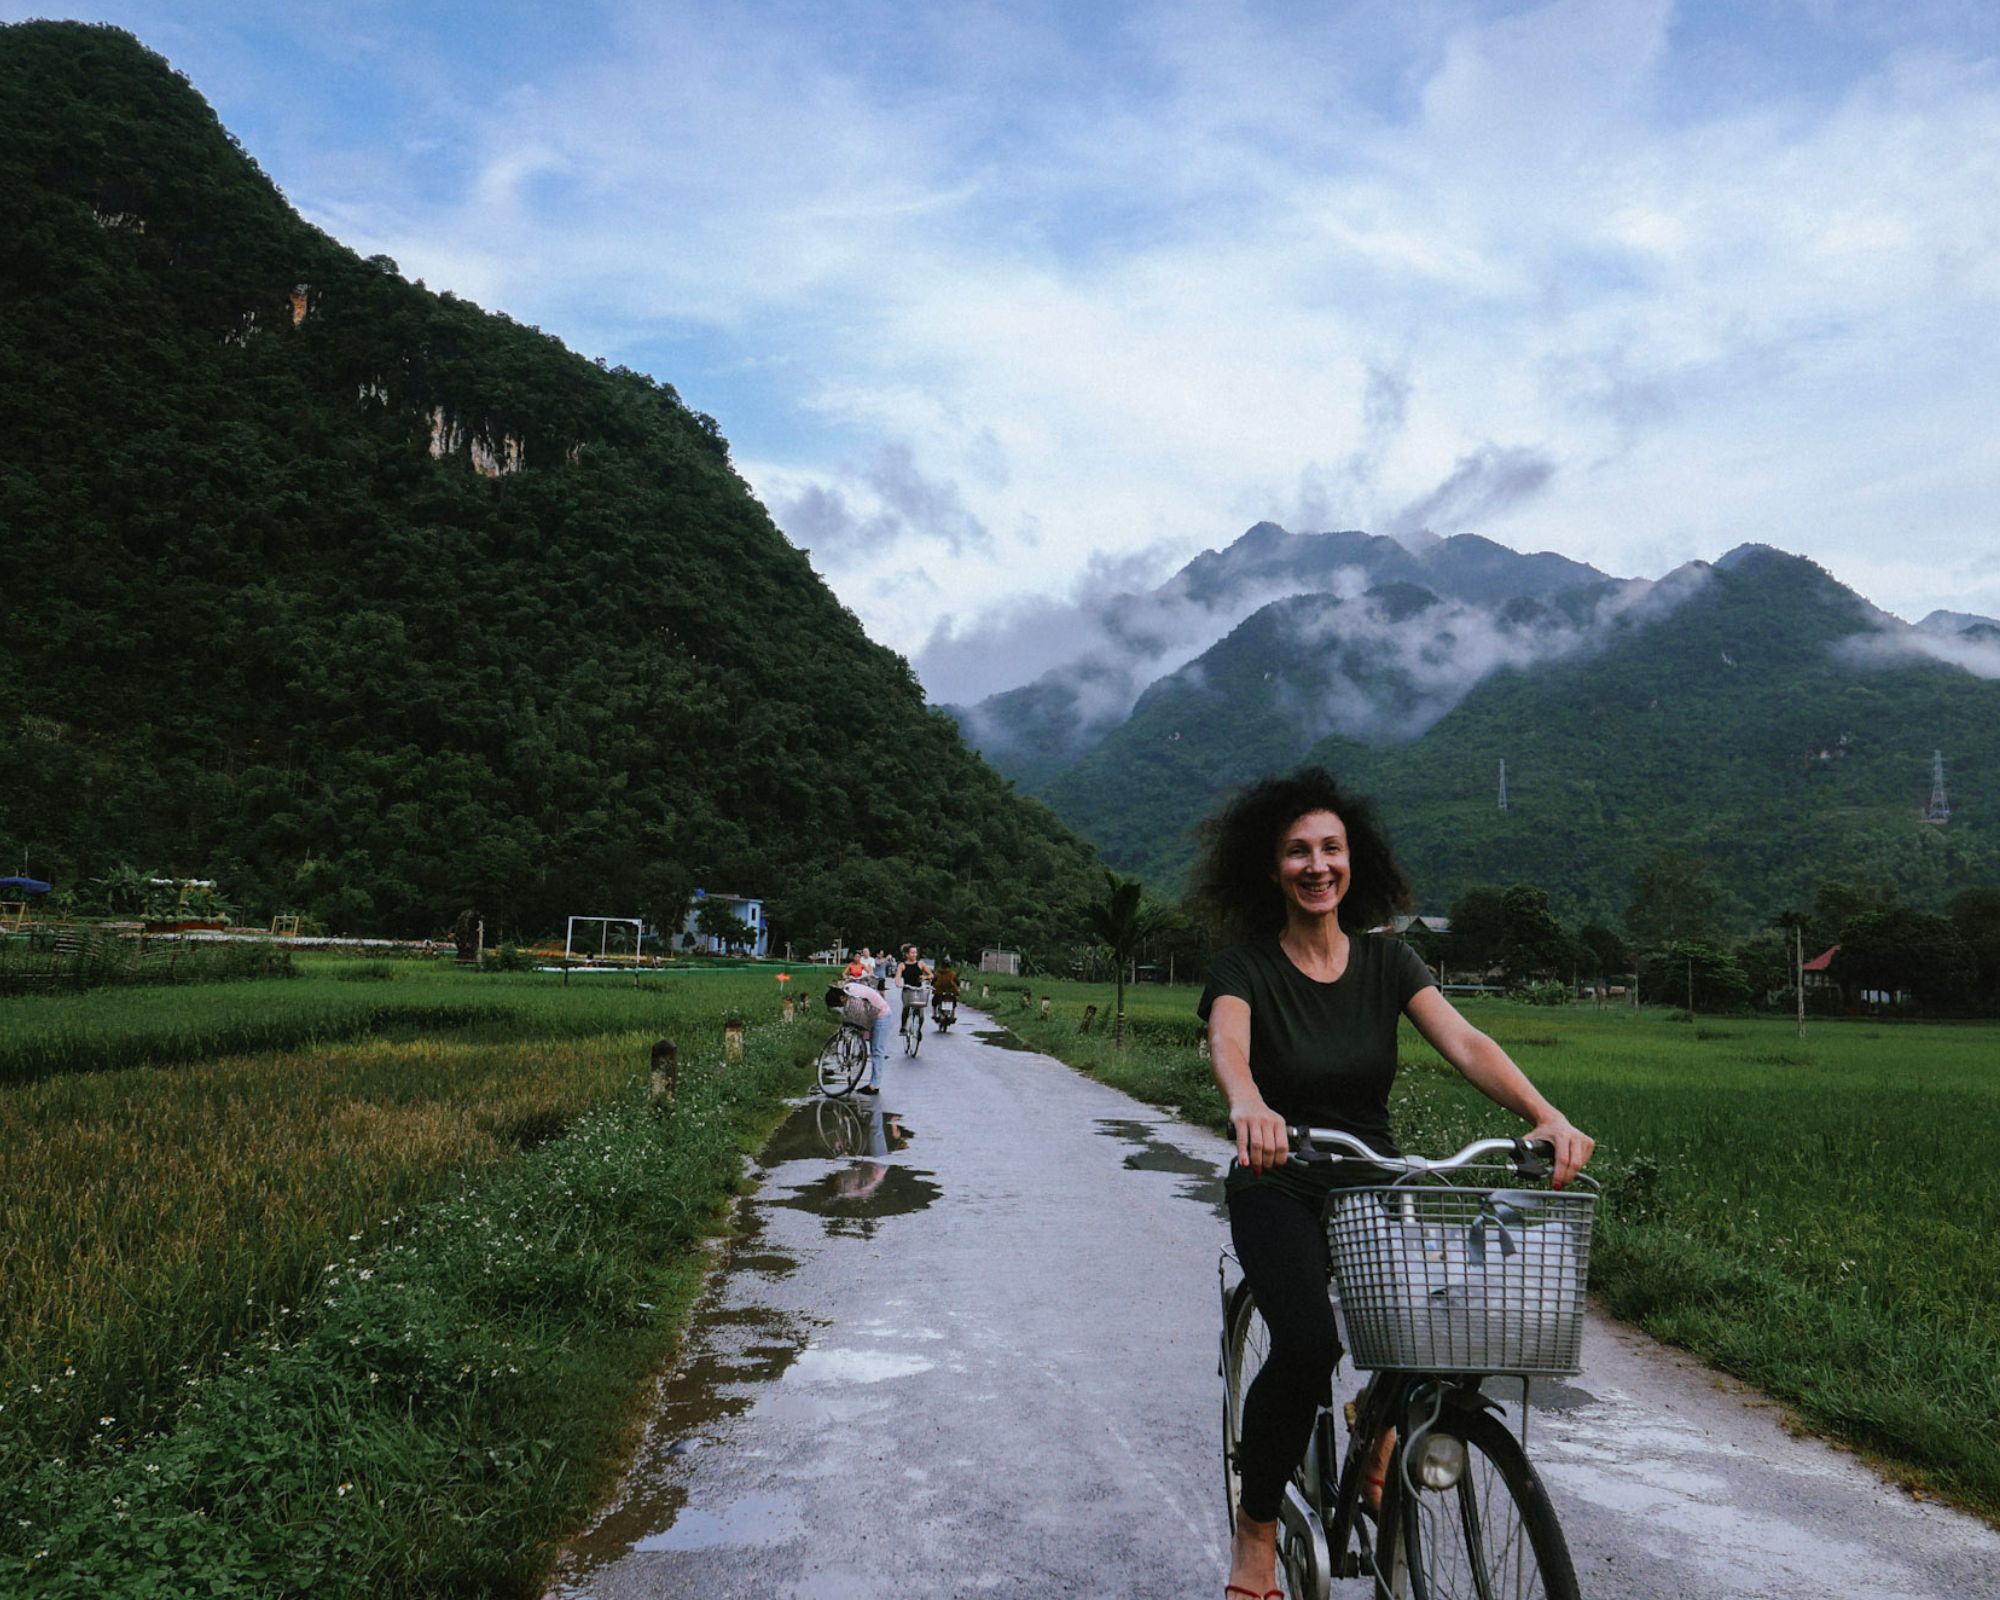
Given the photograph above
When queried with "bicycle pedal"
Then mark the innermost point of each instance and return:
(1350, 1412)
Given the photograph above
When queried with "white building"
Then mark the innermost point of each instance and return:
(745, 910)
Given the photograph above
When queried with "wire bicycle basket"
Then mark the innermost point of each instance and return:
(1437, 1278)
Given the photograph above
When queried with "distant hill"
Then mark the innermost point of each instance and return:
(1754, 712)
(374, 605)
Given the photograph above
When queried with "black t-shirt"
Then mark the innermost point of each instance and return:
(1324, 1054)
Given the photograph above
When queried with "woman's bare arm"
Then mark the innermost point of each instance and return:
(1260, 1132)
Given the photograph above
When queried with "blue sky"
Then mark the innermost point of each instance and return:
(1002, 303)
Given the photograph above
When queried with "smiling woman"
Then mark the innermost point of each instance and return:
(1302, 1023)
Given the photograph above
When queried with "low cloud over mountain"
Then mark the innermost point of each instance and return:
(1420, 621)
(1952, 637)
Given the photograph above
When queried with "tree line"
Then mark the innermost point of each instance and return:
(1674, 944)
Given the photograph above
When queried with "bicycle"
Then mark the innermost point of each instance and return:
(843, 1059)
(914, 1001)
(1436, 1287)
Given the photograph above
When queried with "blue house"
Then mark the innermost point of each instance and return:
(747, 911)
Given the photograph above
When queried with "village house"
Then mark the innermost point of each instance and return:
(702, 915)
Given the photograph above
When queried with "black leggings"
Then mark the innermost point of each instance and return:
(1281, 1244)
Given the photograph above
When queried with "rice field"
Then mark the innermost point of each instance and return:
(151, 1217)
(1817, 1216)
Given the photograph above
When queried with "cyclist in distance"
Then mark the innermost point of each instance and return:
(944, 986)
(1302, 1021)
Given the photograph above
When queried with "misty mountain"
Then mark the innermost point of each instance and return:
(1754, 711)
(1113, 648)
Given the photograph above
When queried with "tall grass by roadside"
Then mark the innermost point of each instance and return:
(1815, 1216)
(364, 1319)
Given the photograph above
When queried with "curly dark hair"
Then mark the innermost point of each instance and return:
(1232, 877)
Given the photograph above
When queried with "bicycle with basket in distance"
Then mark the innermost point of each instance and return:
(1437, 1285)
(916, 998)
(843, 1059)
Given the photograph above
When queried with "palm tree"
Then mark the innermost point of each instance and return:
(1121, 921)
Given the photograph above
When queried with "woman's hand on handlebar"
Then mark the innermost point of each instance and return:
(1572, 1146)
(1261, 1143)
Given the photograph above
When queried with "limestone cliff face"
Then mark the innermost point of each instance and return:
(492, 457)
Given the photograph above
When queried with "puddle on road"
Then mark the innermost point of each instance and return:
(872, 1185)
(1203, 1178)
(1004, 1039)
(823, 1129)
(862, 1193)
(755, 1519)
(1544, 1394)
(732, 1356)
(736, 1356)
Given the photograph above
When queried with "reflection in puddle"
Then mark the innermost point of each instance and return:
(755, 1519)
(872, 1185)
(862, 1192)
(821, 1129)
(1004, 1039)
(1204, 1177)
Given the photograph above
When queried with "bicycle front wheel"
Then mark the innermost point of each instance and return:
(840, 1064)
(913, 1031)
(1490, 1535)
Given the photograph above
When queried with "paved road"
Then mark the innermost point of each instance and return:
(964, 1344)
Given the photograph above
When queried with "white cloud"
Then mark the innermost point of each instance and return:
(990, 293)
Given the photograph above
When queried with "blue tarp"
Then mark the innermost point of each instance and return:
(24, 885)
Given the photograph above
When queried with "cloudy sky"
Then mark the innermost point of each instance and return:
(1005, 303)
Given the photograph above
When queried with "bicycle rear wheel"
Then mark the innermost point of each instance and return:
(1492, 1534)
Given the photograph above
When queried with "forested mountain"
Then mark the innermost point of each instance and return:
(371, 604)
(1754, 713)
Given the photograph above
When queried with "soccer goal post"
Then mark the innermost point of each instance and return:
(604, 926)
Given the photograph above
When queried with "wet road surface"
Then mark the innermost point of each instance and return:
(964, 1344)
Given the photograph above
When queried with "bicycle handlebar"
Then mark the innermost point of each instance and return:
(1530, 1158)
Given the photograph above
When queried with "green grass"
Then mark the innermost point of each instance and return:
(371, 1316)
(1816, 1216)
(45, 1035)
